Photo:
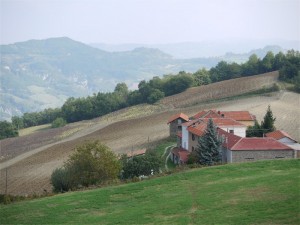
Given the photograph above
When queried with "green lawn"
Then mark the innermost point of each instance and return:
(265, 192)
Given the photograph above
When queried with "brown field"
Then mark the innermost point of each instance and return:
(132, 128)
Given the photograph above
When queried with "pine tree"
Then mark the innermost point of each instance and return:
(208, 150)
(268, 123)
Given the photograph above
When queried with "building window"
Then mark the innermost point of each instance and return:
(193, 149)
(279, 157)
(231, 131)
(193, 137)
(249, 158)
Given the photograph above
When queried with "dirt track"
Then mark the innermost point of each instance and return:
(32, 174)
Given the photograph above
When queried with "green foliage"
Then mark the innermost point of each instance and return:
(140, 165)
(155, 96)
(201, 77)
(92, 163)
(208, 149)
(177, 84)
(58, 122)
(268, 123)
(7, 130)
(61, 180)
(254, 131)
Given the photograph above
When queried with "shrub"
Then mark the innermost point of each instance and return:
(58, 122)
(92, 163)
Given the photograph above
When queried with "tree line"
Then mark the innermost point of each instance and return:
(99, 104)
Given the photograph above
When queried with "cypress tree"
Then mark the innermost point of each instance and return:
(208, 150)
(268, 123)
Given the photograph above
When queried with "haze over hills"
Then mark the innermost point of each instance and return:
(214, 48)
(39, 74)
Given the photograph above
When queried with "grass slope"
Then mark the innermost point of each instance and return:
(265, 192)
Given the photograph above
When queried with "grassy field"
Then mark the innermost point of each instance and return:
(265, 192)
(31, 130)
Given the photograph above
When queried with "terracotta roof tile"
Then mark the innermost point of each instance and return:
(179, 115)
(229, 140)
(238, 115)
(278, 134)
(259, 144)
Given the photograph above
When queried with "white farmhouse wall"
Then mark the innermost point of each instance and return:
(185, 138)
(238, 131)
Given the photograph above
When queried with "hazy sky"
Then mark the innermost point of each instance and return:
(149, 21)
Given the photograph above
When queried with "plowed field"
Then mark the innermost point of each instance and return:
(123, 131)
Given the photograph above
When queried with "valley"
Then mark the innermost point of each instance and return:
(34, 156)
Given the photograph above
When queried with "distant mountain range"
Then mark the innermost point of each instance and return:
(39, 74)
(214, 48)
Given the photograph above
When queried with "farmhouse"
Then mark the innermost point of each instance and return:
(286, 139)
(231, 126)
(175, 123)
(242, 149)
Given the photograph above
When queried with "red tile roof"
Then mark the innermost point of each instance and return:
(259, 144)
(278, 134)
(229, 140)
(177, 116)
(238, 115)
(225, 122)
(207, 114)
(199, 126)
(181, 153)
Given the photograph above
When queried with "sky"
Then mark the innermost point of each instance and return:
(149, 21)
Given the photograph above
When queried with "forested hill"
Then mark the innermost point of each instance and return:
(41, 74)
(38, 74)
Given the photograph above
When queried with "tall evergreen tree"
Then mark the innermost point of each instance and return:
(268, 123)
(208, 150)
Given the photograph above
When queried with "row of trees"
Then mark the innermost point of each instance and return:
(94, 163)
(76, 109)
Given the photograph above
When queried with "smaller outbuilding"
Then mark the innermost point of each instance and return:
(175, 123)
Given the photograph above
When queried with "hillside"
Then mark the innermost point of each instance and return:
(39, 74)
(31, 159)
(265, 192)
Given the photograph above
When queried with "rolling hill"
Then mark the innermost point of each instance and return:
(265, 192)
(32, 158)
(39, 74)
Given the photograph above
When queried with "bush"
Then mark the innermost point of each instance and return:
(92, 163)
(60, 180)
(58, 122)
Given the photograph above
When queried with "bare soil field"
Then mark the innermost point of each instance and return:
(221, 90)
(129, 129)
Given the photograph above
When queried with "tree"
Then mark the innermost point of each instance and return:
(201, 77)
(58, 122)
(7, 130)
(209, 146)
(91, 163)
(267, 63)
(140, 165)
(155, 96)
(268, 123)
(254, 131)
